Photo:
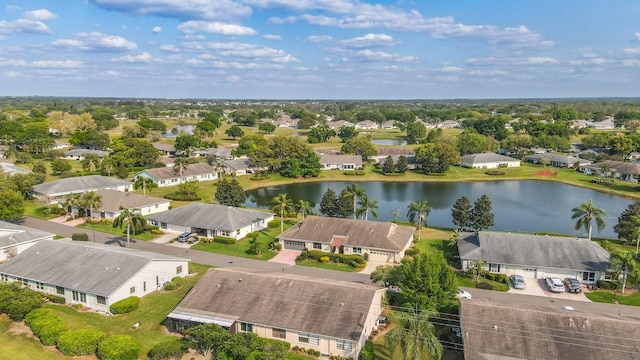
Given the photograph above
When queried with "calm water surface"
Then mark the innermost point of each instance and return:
(389, 142)
(526, 206)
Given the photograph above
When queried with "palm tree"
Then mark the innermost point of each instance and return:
(624, 262)
(367, 205)
(133, 220)
(144, 183)
(71, 201)
(281, 205)
(179, 166)
(92, 201)
(586, 213)
(304, 208)
(415, 337)
(419, 210)
(356, 192)
(396, 214)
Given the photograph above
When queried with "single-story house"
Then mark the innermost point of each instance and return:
(389, 124)
(524, 328)
(606, 124)
(11, 169)
(54, 191)
(79, 154)
(14, 239)
(169, 176)
(535, 256)
(625, 171)
(240, 167)
(340, 162)
(336, 125)
(113, 203)
(218, 153)
(90, 274)
(448, 124)
(488, 160)
(385, 242)
(395, 153)
(332, 317)
(211, 220)
(556, 160)
(165, 148)
(367, 125)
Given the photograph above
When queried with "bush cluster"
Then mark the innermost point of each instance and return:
(124, 306)
(175, 283)
(45, 325)
(608, 285)
(311, 352)
(224, 240)
(80, 342)
(355, 261)
(55, 298)
(413, 251)
(494, 172)
(501, 278)
(17, 301)
(80, 237)
(367, 352)
(119, 347)
(182, 197)
(484, 286)
(171, 349)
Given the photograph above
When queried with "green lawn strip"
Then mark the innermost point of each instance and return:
(107, 228)
(37, 211)
(327, 265)
(615, 246)
(607, 297)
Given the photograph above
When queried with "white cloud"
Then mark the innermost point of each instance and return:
(632, 51)
(334, 6)
(319, 38)
(97, 42)
(637, 35)
(233, 78)
(250, 51)
(49, 64)
(630, 62)
(169, 48)
(24, 26)
(272, 37)
(185, 10)
(215, 27)
(366, 41)
(542, 60)
(156, 29)
(39, 15)
(451, 69)
(143, 57)
(12, 8)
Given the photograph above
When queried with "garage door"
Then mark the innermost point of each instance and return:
(294, 245)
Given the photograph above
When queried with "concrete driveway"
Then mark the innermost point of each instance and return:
(538, 287)
(286, 257)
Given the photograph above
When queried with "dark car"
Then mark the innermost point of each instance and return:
(573, 285)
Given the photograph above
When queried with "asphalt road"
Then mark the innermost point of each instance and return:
(201, 257)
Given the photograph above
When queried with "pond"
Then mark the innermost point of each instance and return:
(171, 133)
(524, 206)
(389, 142)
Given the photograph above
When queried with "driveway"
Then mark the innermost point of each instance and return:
(286, 257)
(538, 287)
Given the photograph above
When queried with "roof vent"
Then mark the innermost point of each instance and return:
(341, 304)
(117, 268)
(240, 280)
(495, 327)
(218, 285)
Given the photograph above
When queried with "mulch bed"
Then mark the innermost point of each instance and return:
(545, 173)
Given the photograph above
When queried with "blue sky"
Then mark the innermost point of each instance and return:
(320, 49)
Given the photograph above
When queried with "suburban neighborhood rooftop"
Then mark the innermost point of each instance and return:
(113, 200)
(12, 234)
(78, 184)
(210, 216)
(164, 173)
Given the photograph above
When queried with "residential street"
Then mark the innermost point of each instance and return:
(196, 256)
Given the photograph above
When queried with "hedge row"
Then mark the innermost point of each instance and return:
(80, 342)
(175, 283)
(124, 306)
(171, 349)
(501, 278)
(355, 261)
(17, 301)
(224, 240)
(181, 197)
(608, 285)
(119, 347)
(55, 298)
(45, 325)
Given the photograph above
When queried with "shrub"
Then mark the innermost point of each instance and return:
(274, 224)
(324, 259)
(412, 251)
(490, 276)
(119, 347)
(80, 342)
(275, 246)
(367, 352)
(313, 352)
(45, 325)
(224, 240)
(182, 197)
(608, 285)
(177, 280)
(80, 237)
(484, 286)
(356, 261)
(366, 256)
(17, 301)
(126, 305)
(55, 298)
(253, 235)
(170, 286)
(502, 278)
(171, 349)
(494, 172)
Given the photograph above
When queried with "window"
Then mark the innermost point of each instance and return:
(39, 286)
(144, 286)
(179, 270)
(246, 327)
(101, 300)
(78, 296)
(132, 290)
(317, 246)
(59, 290)
(308, 338)
(25, 282)
(157, 280)
(588, 276)
(343, 345)
(494, 268)
(357, 250)
(4, 277)
(279, 333)
(163, 225)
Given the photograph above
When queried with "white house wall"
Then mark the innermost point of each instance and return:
(537, 272)
(153, 276)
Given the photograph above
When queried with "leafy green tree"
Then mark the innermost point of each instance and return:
(481, 216)
(320, 133)
(207, 338)
(267, 127)
(144, 183)
(436, 157)
(185, 142)
(291, 168)
(24, 183)
(255, 246)
(388, 275)
(234, 131)
(470, 142)
(36, 137)
(344, 205)
(359, 146)
(132, 220)
(303, 208)
(355, 192)
(60, 166)
(628, 226)
(415, 131)
(417, 213)
(90, 162)
(189, 188)
(328, 204)
(621, 145)
(310, 165)
(11, 204)
(71, 201)
(586, 213)
(282, 205)
(414, 336)
(388, 166)
(625, 263)
(248, 144)
(91, 200)
(127, 152)
(366, 205)
(347, 132)
(39, 168)
(402, 165)
(108, 165)
(461, 213)
(427, 282)
(230, 193)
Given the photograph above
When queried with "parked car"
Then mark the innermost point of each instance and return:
(517, 282)
(573, 285)
(463, 294)
(555, 284)
(183, 237)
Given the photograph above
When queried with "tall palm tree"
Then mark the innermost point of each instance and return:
(144, 183)
(586, 213)
(415, 337)
(304, 208)
(418, 210)
(179, 166)
(71, 201)
(624, 262)
(133, 220)
(92, 201)
(282, 204)
(355, 192)
(367, 205)
(396, 214)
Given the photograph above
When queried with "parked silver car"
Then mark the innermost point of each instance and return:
(555, 284)
(517, 282)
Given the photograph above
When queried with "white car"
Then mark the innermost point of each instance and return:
(555, 284)
(461, 294)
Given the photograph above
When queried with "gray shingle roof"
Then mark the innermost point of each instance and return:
(336, 309)
(533, 250)
(620, 167)
(165, 173)
(565, 159)
(112, 200)
(78, 184)
(341, 159)
(12, 234)
(485, 158)
(210, 216)
(372, 234)
(88, 267)
(237, 164)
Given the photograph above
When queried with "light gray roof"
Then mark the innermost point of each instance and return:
(165, 173)
(372, 234)
(533, 250)
(12, 234)
(487, 157)
(341, 159)
(12, 169)
(619, 167)
(330, 308)
(78, 184)
(396, 151)
(237, 164)
(222, 153)
(88, 267)
(83, 152)
(210, 216)
(113, 200)
(565, 159)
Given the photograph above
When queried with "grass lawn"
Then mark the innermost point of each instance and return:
(607, 297)
(37, 211)
(20, 347)
(327, 265)
(107, 228)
